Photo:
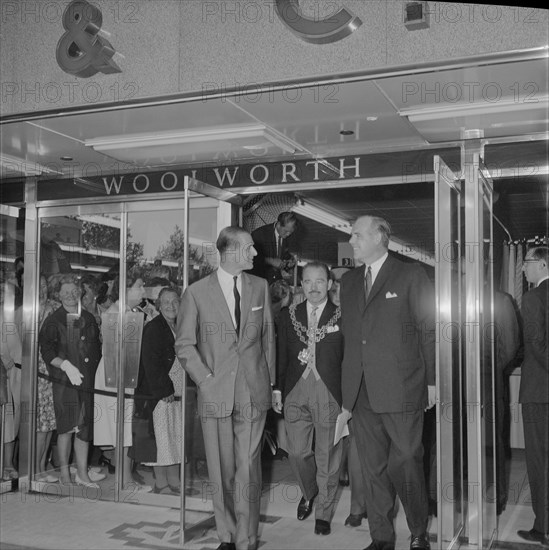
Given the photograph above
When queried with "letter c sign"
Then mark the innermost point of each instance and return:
(321, 31)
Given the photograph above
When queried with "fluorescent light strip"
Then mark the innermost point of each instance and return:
(89, 251)
(453, 111)
(195, 136)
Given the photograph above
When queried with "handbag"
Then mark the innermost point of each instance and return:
(144, 442)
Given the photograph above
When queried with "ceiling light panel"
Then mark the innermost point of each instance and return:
(176, 147)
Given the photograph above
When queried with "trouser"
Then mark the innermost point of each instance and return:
(310, 414)
(391, 450)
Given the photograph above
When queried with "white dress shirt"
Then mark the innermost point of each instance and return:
(376, 266)
(227, 285)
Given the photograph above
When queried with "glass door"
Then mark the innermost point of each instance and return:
(122, 255)
(11, 298)
(79, 252)
(448, 281)
(479, 351)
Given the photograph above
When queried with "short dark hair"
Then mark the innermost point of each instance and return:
(540, 253)
(319, 265)
(92, 281)
(382, 225)
(228, 238)
(284, 218)
(158, 281)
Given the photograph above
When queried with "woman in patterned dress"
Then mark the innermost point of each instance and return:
(45, 418)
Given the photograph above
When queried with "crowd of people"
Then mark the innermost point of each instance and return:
(77, 403)
(349, 386)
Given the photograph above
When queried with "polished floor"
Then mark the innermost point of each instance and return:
(76, 520)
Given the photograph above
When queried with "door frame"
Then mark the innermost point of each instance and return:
(37, 211)
(448, 268)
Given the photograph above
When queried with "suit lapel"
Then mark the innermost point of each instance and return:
(301, 314)
(381, 278)
(245, 300)
(326, 313)
(359, 287)
(218, 299)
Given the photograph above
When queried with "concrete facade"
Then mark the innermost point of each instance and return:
(176, 46)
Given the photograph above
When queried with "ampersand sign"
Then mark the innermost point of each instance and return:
(80, 51)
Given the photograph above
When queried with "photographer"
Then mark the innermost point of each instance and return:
(275, 245)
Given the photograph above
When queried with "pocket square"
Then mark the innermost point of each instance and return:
(335, 328)
(257, 308)
(390, 295)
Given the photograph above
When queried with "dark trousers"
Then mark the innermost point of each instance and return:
(391, 450)
(535, 418)
(356, 476)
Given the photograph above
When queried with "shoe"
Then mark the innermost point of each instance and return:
(46, 478)
(135, 487)
(380, 545)
(93, 473)
(104, 461)
(88, 485)
(94, 476)
(161, 490)
(175, 489)
(322, 527)
(420, 542)
(304, 508)
(344, 481)
(92, 470)
(227, 546)
(138, 478)
(355, 520)
(534, 536)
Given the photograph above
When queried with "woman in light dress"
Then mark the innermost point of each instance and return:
(106, 405)
(161, 378)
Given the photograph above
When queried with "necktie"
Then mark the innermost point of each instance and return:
(368, 282)
(236, 306)
(279, 247)
(311, 346)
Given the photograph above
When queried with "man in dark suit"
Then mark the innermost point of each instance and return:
(225, 341)
(388, 378)
(310, 350)
(274, 244)
(534, 389)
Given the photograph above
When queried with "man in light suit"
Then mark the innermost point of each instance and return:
(225, 341)
(534, 389)
(310, 350)
(388, 378)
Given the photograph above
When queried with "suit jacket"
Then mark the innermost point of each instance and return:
(266, 246)
(157, 357)
(390, 339)
(206, 343)
(329, 352)
(83, 349)
(534, 383)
